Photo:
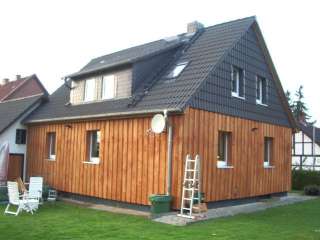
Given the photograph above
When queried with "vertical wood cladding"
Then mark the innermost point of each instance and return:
(133, 162)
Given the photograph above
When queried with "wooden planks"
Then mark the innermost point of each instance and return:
(248, 177)
(133, 161)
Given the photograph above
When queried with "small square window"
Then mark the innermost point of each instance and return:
(237, 79)
(21, 136)
(261, 95)
(93, 146)
(177, 69)
(51, 145)
(224, 149)
(268, 151)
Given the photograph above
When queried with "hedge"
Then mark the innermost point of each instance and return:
(303, 178)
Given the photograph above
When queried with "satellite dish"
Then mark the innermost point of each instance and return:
(158, 123)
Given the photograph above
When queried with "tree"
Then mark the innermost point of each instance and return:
(299, 108)
(290, 102)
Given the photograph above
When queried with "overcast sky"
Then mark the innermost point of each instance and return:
(56, 38)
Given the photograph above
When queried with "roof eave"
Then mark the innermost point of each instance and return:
(107, 115)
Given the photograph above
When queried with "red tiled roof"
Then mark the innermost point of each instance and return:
(10, 86)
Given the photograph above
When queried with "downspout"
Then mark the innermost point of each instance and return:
(169, 152)
(313, 145)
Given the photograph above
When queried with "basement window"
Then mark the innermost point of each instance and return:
(268, 151)
(261, 95)
(177, 69)
(93, 138)
(51, 145)
(224, 149)
(237, 79)
(109, 87)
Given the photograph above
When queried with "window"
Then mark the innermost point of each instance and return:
(177, 69)
(237, 78)
(89, 90)
(93, 146)
(261, 90)
(51, 145)
(224, 149)
(268, 151)
(109, 87)
(21, 135)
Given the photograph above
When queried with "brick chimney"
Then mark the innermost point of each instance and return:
(4, 81)
(194, 27)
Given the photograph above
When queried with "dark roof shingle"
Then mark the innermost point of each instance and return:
(12, 110)
(203, 55)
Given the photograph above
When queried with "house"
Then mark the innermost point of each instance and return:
(306, 147)
(18, 99)
(223, 100)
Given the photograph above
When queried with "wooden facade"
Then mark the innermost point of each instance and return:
(133, 161)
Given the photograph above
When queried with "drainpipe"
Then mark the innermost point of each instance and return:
(313, 145)
(169, 152)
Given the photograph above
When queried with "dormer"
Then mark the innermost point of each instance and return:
(111, 85)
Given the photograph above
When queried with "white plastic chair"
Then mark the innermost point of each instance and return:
(35, 189)
(16, 200)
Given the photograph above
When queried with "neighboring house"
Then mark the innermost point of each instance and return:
(306, 148)
(18, 99)
(224, 101)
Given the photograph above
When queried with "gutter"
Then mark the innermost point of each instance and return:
(106, 115)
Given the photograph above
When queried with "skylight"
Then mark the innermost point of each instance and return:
(177, 69)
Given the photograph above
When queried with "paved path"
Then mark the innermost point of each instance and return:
(173, 219)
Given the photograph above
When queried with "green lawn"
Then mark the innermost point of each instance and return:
(63, 221)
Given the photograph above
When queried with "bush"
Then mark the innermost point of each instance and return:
(312, 190)
(3, 194)
(303, 178)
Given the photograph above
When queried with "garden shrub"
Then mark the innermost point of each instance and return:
(312, 190)
(303, 178)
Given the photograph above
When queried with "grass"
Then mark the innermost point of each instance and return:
(64, 221)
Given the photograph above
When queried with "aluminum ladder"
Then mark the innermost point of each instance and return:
(191, 187)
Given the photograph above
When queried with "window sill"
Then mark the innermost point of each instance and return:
(50, 159)
(92, 163)
(262, 104)
(237, 96)
(225, 167)
(268, 167)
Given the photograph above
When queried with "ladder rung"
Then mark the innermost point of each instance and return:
(191, 179)
(189, 189)
(188, 199)
(191, 170)
(186, 209)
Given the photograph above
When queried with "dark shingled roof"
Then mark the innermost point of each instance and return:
(308, 130)
(203, 54)
(10, 111)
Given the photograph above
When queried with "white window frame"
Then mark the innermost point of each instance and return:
(269, 141)
(237, 92)
(224, 163)
(180, 67)
(91, 159)
(50, 141)
(86, 90)
(105, 79)
(259, 83)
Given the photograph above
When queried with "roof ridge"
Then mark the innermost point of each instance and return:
(254, 18)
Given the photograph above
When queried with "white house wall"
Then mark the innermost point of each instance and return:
(308, 160)
(9, 135)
